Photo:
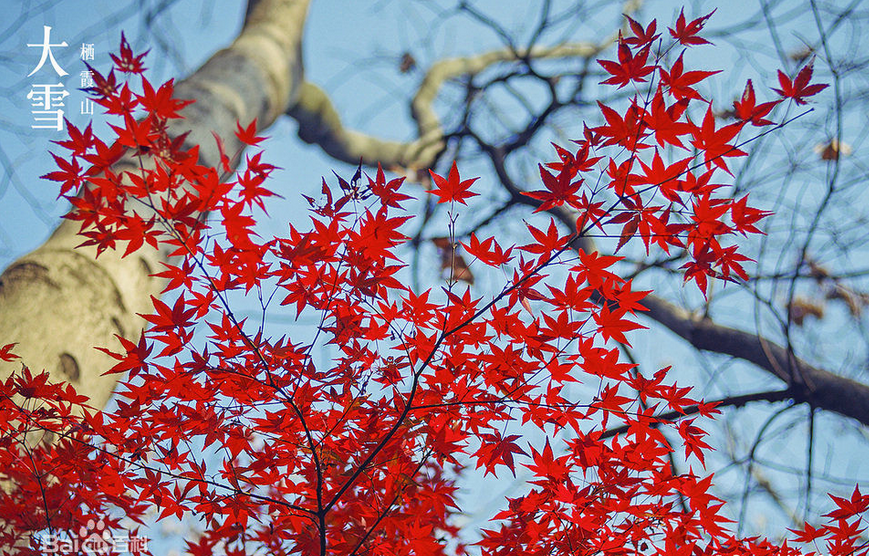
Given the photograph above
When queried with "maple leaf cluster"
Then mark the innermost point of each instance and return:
(667, 200)
(276, 453)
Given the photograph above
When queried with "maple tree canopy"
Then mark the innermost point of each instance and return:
(278, 454)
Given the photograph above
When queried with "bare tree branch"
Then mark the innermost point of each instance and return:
(731, 401)
(320, 123)
(818, 387)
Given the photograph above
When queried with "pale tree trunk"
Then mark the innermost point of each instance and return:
(59, 301)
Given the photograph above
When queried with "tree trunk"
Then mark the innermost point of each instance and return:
(59, 301)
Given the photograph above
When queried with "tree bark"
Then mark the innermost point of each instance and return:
(807, 384)
(59, 301)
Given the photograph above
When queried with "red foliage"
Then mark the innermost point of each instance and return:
(360, 455)
(799, 88)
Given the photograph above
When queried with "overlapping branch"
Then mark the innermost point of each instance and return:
(320, 123)
(819, 388)
(58, 301)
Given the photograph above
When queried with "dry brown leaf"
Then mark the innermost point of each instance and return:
(412, 174)
(817, 272)
(802, 308)
(407, 63)
(852, 300)
(832, 149)
(802, 54)
(452, 261)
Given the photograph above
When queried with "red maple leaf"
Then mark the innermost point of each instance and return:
(560, 189)
(167, 317)
(70, 174)
(628, 132)
(613, 324)
(488, 251)
(6, 352)
(744, 217)
(547, 465)
(135, 135)
(799, 88)
(809, 533)
(127, 61)
(247, 135)
(135, 360)
(686, 34)
(497, 450)
(692, 437)
(642, 37)
(452, 188)
(714, 143)
(747, 110)
(628, 68)
(664, 120)
(104, 87)
(160, 102)
(849, 507)
(79, 141)
(680, 82)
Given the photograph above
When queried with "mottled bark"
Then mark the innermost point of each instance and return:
(59, 301)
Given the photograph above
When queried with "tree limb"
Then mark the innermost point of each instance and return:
(730, 401)
(320, 123)
(818, 387)
(59, 301)
(808, 384)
